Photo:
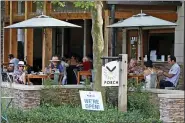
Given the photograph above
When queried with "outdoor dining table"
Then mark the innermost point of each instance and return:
(136, 76)
(36, 76)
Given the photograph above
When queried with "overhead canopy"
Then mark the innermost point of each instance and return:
(142, 20)
(42, 21)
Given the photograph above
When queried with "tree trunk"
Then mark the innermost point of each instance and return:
(98, 45)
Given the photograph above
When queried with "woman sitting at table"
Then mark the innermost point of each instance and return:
(55, 66)
(73, 61)
(19, 74)
(87, 65)
(150, 72)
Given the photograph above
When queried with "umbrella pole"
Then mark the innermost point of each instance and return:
(141, 45)
(62, 42)
(43, 49)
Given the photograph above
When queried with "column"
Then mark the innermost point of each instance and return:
(28, 42)
(179, 35)
(13, 32)
(6, 43)
(124, 43)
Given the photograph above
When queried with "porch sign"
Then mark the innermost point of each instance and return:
(91, 100)
(110, 74)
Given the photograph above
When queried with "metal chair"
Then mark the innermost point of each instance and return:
(4, 112)
(8, 99)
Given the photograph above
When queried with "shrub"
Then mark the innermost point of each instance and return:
(69, 114)
(140, 110)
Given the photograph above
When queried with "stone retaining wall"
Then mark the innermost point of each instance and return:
(172, 108)
(170, 102)
(27, 97)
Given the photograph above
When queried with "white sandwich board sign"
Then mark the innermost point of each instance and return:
(91, 100)
(110, 74)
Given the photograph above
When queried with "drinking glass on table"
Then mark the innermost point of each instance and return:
(47, 70)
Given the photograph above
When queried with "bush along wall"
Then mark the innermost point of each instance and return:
(52, 110)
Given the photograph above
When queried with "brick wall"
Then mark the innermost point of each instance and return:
(172, 108)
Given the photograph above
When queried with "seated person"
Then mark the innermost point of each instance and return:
(55, 66)
(64, 65)
(134, 68)
(73, 61)
(13, 63)
(19, 74)
(87, 65)
(172, 76)
(149, 70)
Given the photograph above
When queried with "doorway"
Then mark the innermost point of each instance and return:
(163, 43)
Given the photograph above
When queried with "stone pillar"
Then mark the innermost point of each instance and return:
(179, 35)
(124, 42)
(171, 108)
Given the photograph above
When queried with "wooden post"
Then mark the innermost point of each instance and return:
(7, 10)
(122, 91)
(28, 42)
(6, 44)
(13, 32)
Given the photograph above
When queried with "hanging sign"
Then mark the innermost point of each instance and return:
(91, 100)
(110, 74)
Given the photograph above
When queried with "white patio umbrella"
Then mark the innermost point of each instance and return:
(142, 21)
(43, 22)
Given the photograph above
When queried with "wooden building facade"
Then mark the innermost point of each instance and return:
(80, 40)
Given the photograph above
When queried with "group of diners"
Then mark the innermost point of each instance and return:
(171, 78)
(66, 67)
(69, 67)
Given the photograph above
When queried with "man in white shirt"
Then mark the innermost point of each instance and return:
(172, 77)
(13, 63)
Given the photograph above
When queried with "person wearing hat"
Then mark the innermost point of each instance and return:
(55, 66)
(19, 74)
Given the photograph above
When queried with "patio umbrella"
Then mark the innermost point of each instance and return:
(142, 21)
(43, 22)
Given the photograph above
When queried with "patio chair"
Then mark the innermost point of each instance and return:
(7, 99)
(4, 111)
(152, 82)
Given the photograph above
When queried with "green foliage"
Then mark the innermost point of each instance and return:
(58, 2)
(141, 101)
(39, 4)
(140, 110)
(69, 114)
(84, 4)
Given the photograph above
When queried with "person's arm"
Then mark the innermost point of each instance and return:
(66, 64)
(172, 72)
(167, 74)
(146, 73)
